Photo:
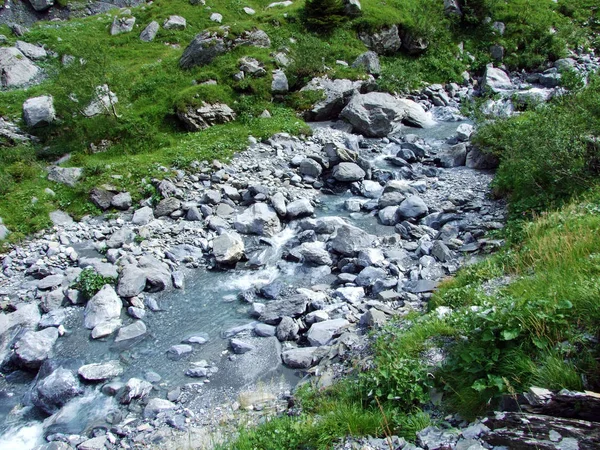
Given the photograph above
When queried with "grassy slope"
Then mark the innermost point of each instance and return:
(146, 137)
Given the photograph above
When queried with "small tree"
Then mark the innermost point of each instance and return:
(324, 15)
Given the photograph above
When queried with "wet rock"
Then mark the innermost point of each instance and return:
(412, 208)
(150, 32)
(272, 290)
(464, 132)
(158, 274)
(135, 330)
(348, 239)
(100, 371)
(34, 347)
(264, 330)
(321, 333)
(179, 351)
(39, 111)
(240, 347)
(103, 306)
(106, 328)
(300, 208)
(134, 388)
(313, 253)
(228, 248)
(348, 172)
(258, 219)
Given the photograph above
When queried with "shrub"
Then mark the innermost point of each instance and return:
(90, 282)
(323, 15)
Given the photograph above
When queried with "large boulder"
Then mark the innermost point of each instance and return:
(150, 32)
(39, 111)
(476, 159)
(336, 95)
(300, 208)
(412, 208)
(495, 80)
(348, 172)
(158, 273)
(31, 51)
(175, 23)
(377, 114)
(102, 307)
(54, 391)
(143, 216)
(16, 69)
(299, 358)
(313, 253)
(34, 347)
(258, 219)
(157, 405)
(41, 5)
(65, 175)
(228, 248)
(197, 119)
(454, 156)
(385, 42)
(280, 84)
(167, 206)
(321, 333)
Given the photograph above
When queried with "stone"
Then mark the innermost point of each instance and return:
(371, 189)
(106, 328)
(101, 371)
(287, 329)
(41, 5)
(240, 347)
(292, 307)
(348, 172)
(352, 7)
(476, 159)
(167, 206)
(207, 115)
(34, 347)
(441, 251)
(65, 175)
(31, 51)
(385, 42)
(412, 208)
(377, 114)
(104, 102)
(264, 330)
(369, 275)
(435, 438)
(175, 23)
(179, 351)
(336, 95)
(300, 208)
(299, 358)
(158, 273)
(388, 215)
(350, 294)
(228, 248)
(135, 330)
(310, 168)
(348, 239)
(97, 443)
(369, 61)
(202, 50)
(314, 253)
(258, 219)
(143, 216)
(495, 80)
(157, 405)
(50, 282)
(103, 306)
(321, 333)
(16, 69)
(132, 281)
(452, 8)
(464, 132)
(373, 318)
(122, 25)
(454, 156)
(279, 204)
(413, 44)
(280, 84)
(216, 17)
(39, 111)
(134, 388)
(122, 201)
(55, 390)
(101, 198)
(150, 32)
(249, 11)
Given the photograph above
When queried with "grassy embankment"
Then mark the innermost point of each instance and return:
(147, 141)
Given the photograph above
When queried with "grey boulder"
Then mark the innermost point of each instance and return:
(369, 61)
(65, 175)
(495, 80)
(348, 172)
(39, 111)
(150, 32)
(321, 333)
(258, 219)
(17, 70)
(205, 116)
(101, 371)
(34, 347)
(228, 248)
(122, 25)
(135, 330)
(412, 208)
(54, 391)
(300, 208)
(102, 307)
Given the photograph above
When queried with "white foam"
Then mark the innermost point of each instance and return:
(23, 437)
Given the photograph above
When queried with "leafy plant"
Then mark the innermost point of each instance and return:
(90, 282)
(323, 15)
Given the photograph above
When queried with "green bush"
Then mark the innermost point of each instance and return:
(90, 282)
(323, 15)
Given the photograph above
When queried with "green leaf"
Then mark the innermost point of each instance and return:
(480, 385)
(509, 335)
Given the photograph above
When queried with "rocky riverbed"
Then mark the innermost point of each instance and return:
(238, 279)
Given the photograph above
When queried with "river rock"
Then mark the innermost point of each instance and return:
(291, 307)
(300, 208)
(313, 253)
(287, 329)
(17, 70)
(336, 93)
(134, 388)
(158, 274)
(132, 281)
(369, 275)
(122, 25)
(240, 347)
(100, 371)
(120, 237)
(348, 172)
(264, 330)
(279, 204)
(464, 132)
(175, 23)
(54, 391)
(412, 208)
(34, 347)
(26, 315)
(454, 156)
(97, 443)
(495, 80)
(348, 239)
(310, 168)
(150, 32)
(299, 358)
(376, 114)
(179, 351)
(103, 306)
(143, 216)
(321, 333)
(258, 219)
(135, 330)
(65, 175)
(228, 248)
(388, 215)
(106, 328)
(157, 405)
(50, 282)
(39, 111)
(476, 159)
